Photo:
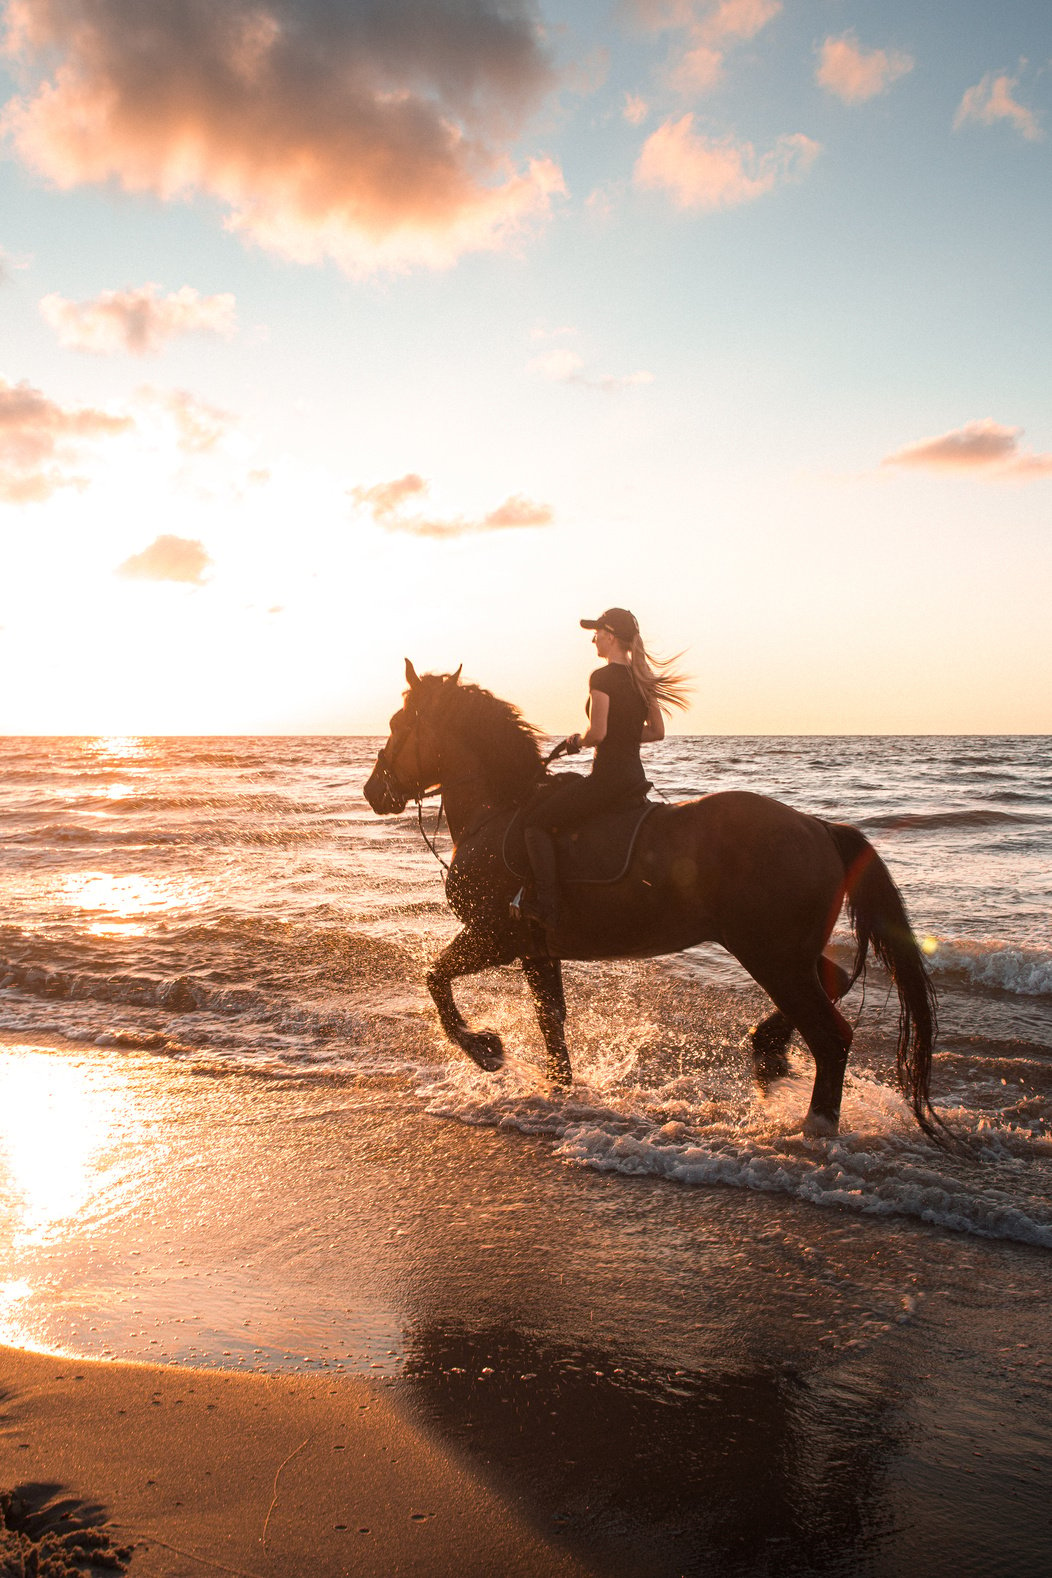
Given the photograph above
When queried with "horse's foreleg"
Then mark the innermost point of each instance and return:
(545, 978)
(468, 953)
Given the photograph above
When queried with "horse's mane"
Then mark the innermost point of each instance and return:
(507, 746)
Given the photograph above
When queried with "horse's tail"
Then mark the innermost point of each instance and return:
(879, 920)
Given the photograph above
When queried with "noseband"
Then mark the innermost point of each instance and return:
(394, 788)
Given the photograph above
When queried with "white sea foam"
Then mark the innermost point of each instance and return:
(682, 1132)
(1004, 966)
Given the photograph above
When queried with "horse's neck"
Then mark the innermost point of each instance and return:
(465, 791)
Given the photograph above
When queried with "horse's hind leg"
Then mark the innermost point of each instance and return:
(468, 953)
(770, 1049)
(801, 998)
(771, 1037)
(836, 983)
(545, 977)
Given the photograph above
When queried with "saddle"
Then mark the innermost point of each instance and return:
(600, 850)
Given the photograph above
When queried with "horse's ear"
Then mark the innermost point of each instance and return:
(411, 675)
(454, 677)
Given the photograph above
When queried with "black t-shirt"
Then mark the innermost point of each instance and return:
(619, 751)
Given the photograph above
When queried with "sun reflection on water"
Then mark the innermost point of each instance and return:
(59, 1122)
(124, 905)
(119, 747)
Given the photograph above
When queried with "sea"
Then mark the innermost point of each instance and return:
(665, 1328)
(233, 906)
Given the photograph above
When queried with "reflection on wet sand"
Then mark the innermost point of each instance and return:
(666, 1472)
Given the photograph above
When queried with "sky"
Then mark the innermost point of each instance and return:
(338, 331)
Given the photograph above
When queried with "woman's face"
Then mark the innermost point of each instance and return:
(608, 646)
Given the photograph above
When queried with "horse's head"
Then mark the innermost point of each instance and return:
(410, 763)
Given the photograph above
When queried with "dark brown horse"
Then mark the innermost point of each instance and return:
(738, 869)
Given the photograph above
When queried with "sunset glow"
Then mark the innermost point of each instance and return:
(330, 339)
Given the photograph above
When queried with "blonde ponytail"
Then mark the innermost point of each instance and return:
(659, 681)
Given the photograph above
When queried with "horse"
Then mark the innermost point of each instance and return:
(736, 868)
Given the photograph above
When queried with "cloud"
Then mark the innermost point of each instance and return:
(635, 110)
(137, 320)
(199, 427)
(567, 367)
(718, 172)
(984, 446)
(711, 28)
(386, 503)
(41, 441)
(713, 21)
(856, 74)
(991, 100)
(377, 135)
(168, 559)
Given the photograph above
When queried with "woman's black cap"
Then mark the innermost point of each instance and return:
(619, 622)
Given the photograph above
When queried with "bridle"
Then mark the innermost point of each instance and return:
(396, 790)
(386, 768)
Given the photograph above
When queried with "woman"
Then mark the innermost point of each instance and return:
(627, 701)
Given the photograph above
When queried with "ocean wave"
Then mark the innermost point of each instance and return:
(975, 817)
(1002, 966)
(686, 1134)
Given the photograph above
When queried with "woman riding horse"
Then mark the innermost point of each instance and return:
(763, 880)
(627, 702)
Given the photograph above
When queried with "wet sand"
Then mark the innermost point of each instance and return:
(491, 1360)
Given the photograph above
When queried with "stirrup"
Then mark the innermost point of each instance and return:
(523, 907)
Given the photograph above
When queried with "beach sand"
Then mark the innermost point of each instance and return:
(186, 1471)
(491, 1361)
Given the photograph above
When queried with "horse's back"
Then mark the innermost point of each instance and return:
(735, 848)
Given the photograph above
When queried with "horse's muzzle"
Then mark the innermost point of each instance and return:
(385, 797)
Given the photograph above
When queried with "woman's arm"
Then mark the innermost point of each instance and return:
(598, 714)
(654, 727)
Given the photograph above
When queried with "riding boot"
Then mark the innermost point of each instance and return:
(540, 847)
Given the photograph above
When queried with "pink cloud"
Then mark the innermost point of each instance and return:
(386, 502)
(992, 100)
(137, 320)
(711, 27)
(635, 110)
(378, 136)
(855, 74)
(567, 367)
(518, 511)
(715, 21)
(983, 446)
(41, 441)
(168, 558)
(717, 172)
(199, 427)
(387, 498)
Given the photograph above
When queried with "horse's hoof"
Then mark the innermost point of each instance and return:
(486, 1049)
(819, 1127)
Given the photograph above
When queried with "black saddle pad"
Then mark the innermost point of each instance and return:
(600, 850)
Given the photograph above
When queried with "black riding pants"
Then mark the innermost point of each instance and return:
(576, 799)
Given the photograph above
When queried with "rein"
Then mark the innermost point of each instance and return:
(440, 789)
(438, 824)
